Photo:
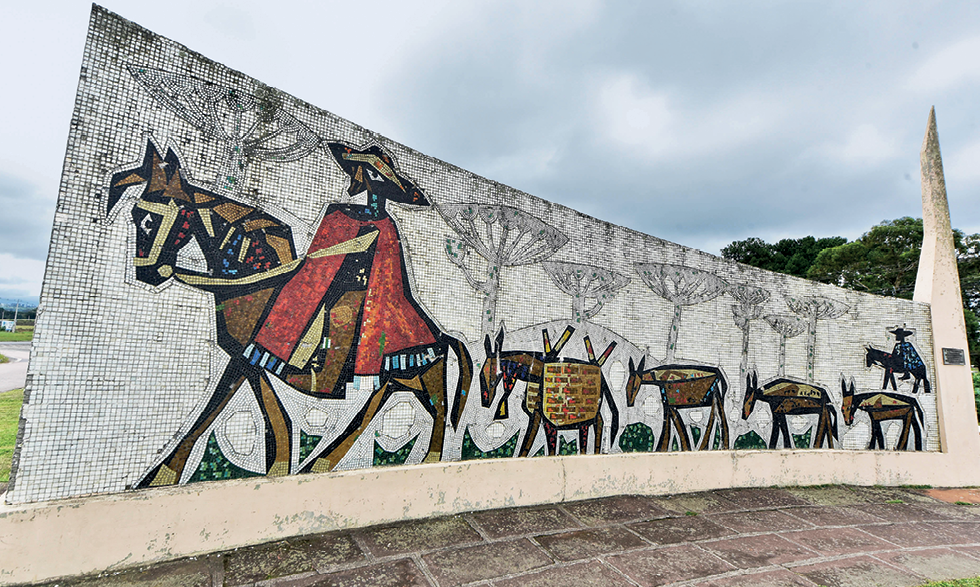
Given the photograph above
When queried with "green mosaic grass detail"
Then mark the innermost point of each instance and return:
(750, 441)
(470, 451)
(215, 466)
(802, 440)
(384, 458)
(307, 442)
(567, 448)
(637, 437)
(695, 434)
(541, 452)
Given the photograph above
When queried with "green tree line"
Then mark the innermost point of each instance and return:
(882, 261)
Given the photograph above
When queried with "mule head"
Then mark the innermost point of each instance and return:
(752, 392)
(847, 404)
(634, 381)
(868, 360)
(491, 374)
(372, 170)
(163, 214)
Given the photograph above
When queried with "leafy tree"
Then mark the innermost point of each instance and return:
(793, 256)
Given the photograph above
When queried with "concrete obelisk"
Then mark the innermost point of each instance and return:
(938, 284)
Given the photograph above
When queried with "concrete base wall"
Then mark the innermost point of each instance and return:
(48, 540)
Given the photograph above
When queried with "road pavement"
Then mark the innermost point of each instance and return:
(14, 374)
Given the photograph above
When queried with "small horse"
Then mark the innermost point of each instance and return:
(249, 261)
(681, 387)
(893, 364)
(561, 393)
(882, 407)
(787, 398)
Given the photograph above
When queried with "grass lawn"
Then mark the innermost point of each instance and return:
(9, 414)
(975, 582)
(17, 336)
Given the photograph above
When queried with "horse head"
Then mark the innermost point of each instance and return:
(165, 215)
(634, 381)
(372, 170)
(751, 393)
(491, 374)
(847, 404)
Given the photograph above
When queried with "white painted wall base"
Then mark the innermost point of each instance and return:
(48, 540)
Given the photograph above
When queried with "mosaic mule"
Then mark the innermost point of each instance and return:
(345, 310)
(787, 397)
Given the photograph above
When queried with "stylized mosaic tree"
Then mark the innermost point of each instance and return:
(815, 308)
(682, 286)
(787, 327)
(504, 237)
(748, 308)
(244, 125)
(585, 282)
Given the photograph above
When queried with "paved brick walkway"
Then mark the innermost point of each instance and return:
(831, 536)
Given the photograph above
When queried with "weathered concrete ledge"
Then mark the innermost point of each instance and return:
(83, 535)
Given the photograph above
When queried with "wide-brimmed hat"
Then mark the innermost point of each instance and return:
(901, 333)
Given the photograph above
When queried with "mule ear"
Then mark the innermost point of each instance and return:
(632, 366)
(500, 339)
(643, 363)
(487, 346)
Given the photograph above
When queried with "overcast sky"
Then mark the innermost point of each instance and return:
(697, 122)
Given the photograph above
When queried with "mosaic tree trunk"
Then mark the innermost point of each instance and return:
(504, 237)
(787, 327)
(585, 282)
(815, 308)
(748, 308)
(682, 286)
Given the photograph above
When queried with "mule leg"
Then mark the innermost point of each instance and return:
(891, 378)
(583, 439)
(723, 422)
(597, 447)
(903, 439)
(435, 393)
(170, 470)
(884, 382)
(877, 436)
(774, 435)
(708, 429)
(276, 421)
(822, 427)
(681, 430)
(551, 436)
(663, 445)
(532, 430)
(784, 426)
(918, 432)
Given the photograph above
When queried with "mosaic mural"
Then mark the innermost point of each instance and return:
(240, 284)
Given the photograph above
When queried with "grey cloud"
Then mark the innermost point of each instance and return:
(26, 218)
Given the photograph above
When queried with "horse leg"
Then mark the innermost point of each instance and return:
(884, 383)
(891, 378)
(877, 436)
(822, 427)
(342, 445)
(787, 439)
(434, 393)
(774, 435)
(276, 422)
(723, 422)
(532, 430)
(918, 431)
(583, 438)
(170, 470)
(664, 444)
(915, 386)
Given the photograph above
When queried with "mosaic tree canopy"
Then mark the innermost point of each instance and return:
(241, 284)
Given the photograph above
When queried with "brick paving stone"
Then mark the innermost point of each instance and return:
(185, 573)
(750, 552)
(613, 510)
(519, 521)
(838, 541)
(701, 503)
(973, 551)
(289, 557)
(833, 515)
(683, 529)
(485, 561)
(957, 532)
(588, 574)
(582, 544)
(777, 578)
(398, 573)
(948, 511)
(418, 536)
(936, 564)
(759, 521)
(910, 535)
(859, 571)
(900, 512)
(758, 499)
(833, 495)
(650, 568)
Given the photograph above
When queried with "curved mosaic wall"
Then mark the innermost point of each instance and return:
(241, 284)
